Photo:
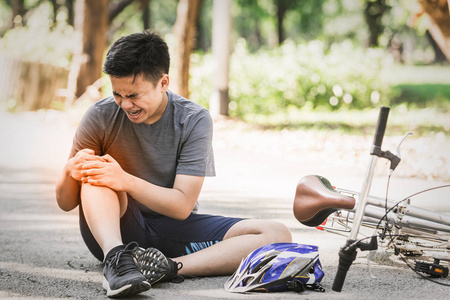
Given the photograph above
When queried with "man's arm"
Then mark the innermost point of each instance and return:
(177, 202)
(68, 185)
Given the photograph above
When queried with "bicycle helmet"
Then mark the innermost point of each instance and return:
(278, 267)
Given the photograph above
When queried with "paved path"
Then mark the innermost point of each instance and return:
(42, 254)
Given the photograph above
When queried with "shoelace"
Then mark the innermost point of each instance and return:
(127, 263)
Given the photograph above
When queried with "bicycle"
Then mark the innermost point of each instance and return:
(408, 230)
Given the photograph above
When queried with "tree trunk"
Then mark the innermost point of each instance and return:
(116, 8)
(91, 20)
(221, 51)
(438, 11)
(282, 7)
(373, 12)
(202, 40)
(70, 11)
(145, 9)
(439, 56)
(258, 35)
(55, 7)
(18, 11)
(184, 29)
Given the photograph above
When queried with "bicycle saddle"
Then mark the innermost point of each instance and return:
(315, 199)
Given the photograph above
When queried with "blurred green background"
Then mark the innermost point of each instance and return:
(323, 64)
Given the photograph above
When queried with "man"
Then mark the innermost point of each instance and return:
(136, 169)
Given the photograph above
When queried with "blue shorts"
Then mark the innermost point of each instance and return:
(172, 237)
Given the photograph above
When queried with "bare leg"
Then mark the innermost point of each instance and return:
(102, 208)
(242, 238)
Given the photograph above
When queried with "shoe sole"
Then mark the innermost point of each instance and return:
(152, 263)
(126, 290)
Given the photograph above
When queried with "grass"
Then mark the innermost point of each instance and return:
(421, 103)
(423, 95)
(359, 122)
(402, 74)
(420, 86)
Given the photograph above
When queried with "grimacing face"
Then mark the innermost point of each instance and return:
(140, 99)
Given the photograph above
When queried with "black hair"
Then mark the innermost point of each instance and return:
(137, 54)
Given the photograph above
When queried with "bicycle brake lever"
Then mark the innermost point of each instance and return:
(395, 158)
(397, 150)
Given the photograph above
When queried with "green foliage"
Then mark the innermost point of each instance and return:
(39, 42)
(5, 16)
(256, 21)
(294, 76)
(162, 18)
(423, 95)
(419, 87)
(253, 20)
(304, 19)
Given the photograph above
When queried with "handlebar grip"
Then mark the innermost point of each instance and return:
(339, 279)
(381, 127)
(346, 258)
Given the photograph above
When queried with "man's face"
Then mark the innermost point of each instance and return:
(141, 100)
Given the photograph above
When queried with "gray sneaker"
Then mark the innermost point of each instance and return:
(122, 277)
(156, 267)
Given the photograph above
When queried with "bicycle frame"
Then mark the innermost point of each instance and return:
(406, 215)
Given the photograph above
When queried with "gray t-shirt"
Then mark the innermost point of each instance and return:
(180, 142)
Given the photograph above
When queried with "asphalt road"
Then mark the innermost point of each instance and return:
(42, 254)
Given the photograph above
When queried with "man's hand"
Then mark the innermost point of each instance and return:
(107, 173)
(68, 185)
(76, 163)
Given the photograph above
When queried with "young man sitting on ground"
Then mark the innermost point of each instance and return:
(136, 168)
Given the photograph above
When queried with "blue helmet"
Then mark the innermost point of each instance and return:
(278, 267)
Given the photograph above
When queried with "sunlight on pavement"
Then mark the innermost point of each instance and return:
(33, 140)
(7, 295)
(79, 275)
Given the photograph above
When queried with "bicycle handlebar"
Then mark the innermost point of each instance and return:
(380, 129)
(339, 280)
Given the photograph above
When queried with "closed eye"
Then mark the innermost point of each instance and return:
(130, 96)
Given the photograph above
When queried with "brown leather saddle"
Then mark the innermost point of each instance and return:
(315, 199)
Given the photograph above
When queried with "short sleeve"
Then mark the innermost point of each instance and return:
(196, 156)
(89, 132)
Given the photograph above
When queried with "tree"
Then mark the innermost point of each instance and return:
(248, 21)
(373, 13)
(282, 7)
(221, 51)
(116, 7)
(70, 5)
(18, 10)
(145, 9)
(184, 29)
(438, 11)
(91, 19)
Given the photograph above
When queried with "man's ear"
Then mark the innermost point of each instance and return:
(165, 83)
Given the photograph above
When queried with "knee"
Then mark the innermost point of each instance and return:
(279, 233)
(98, 193)
(89, 191)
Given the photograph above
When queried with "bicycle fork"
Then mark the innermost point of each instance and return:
(347, 253)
